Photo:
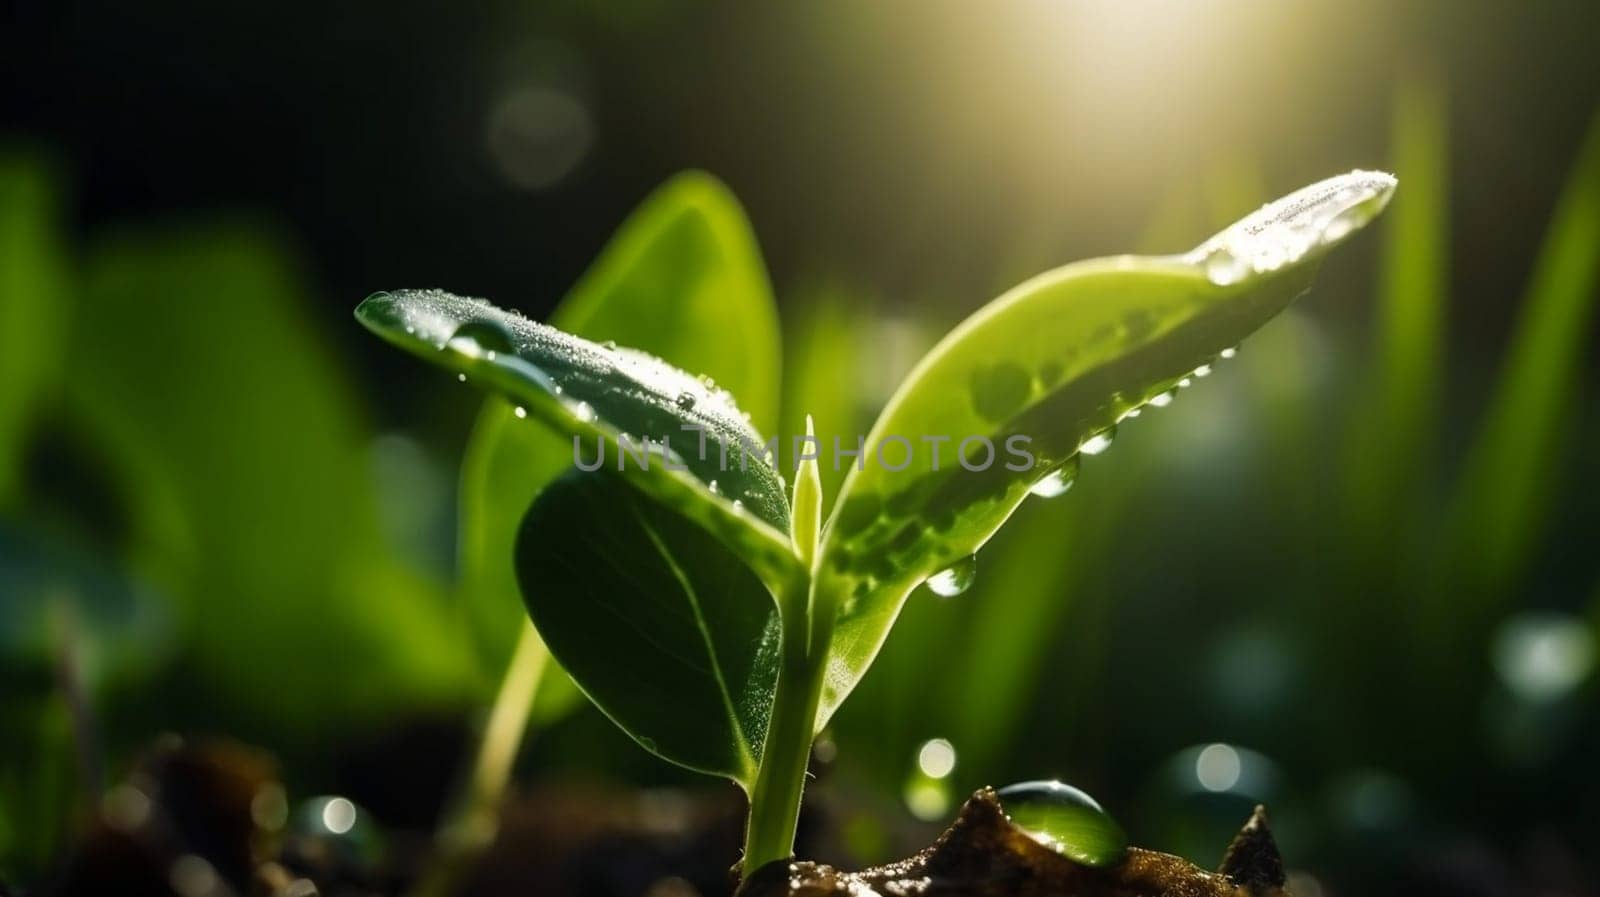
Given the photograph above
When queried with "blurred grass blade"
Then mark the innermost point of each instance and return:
(1511, 471)
(33, 297)
(1391, 451)
(1058, 361)
(1025, 577)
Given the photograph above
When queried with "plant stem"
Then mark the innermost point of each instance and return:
(781, 779)
(472, 819)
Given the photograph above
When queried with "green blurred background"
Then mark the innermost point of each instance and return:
(1351, 575)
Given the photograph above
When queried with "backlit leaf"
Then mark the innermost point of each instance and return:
(1052, 366)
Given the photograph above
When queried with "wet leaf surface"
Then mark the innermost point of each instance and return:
(1010, 399)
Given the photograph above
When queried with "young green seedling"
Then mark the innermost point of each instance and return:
(712, 618)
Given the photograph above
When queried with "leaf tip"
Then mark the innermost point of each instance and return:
(1295, 229)
(377, 310)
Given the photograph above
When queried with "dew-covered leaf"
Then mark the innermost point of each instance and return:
(660, 624)
(682, 279)
(1049, 369)
(688, 444)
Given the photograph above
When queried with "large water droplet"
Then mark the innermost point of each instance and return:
(1099, 442)
(954, 579)
(1065, 820)
(481, 339)
(1057, 481)
(1227, 353)
(1163, 399)
(685, 400)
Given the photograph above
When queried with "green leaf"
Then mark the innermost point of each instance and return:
(1057, 361)
(683, 279)
(609, 400)
(665, 630)
(195, 370)
(1390, 451)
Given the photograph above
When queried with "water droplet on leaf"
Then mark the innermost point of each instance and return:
(1099, 442)
(481, 339)
(1057, 481)
(1163, 399)
(520, 411)
(685, 400)
(1342, 224)
(1224, 268)
(1227, 353)
(955, 579)
(1065, 820)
